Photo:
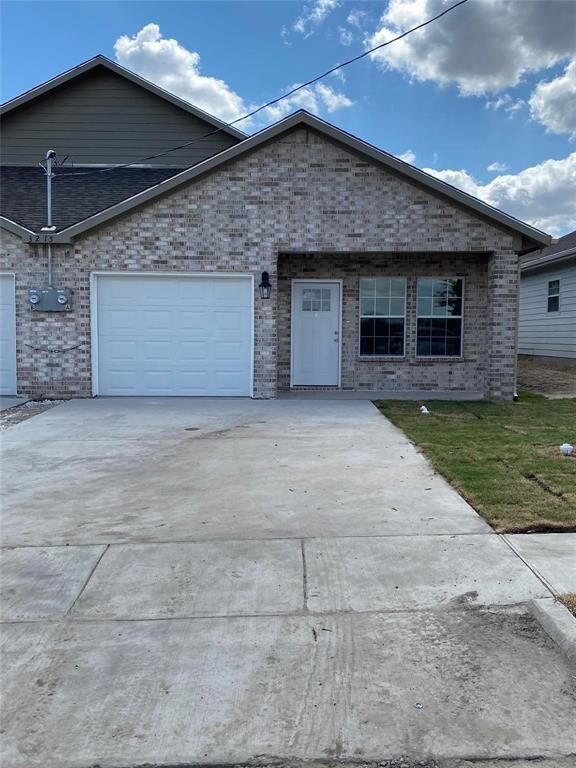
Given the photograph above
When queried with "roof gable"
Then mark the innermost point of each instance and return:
(102, 62)
(532, 237)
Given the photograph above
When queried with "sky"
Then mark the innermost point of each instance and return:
(484, 98)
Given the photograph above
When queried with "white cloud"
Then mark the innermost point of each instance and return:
(543, 195)
(167, 63)
(170, 65)
(553, 103)
(497, 167)
(483, 47)
(316, 99)
(313, 15)
(506, 103)
(345, 36)
(408, 156)
(357, 18)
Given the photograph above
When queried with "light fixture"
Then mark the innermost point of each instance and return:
(265, 286)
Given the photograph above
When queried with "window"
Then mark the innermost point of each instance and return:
(439, 317)
(554, 296)
(316, 300)
(382, 310)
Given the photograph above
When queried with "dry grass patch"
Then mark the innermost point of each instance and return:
(569, 601)
(504, 458)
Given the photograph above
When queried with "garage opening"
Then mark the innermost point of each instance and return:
(172, 335)
(7, 335)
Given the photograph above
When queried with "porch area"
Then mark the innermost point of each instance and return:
(377, 325)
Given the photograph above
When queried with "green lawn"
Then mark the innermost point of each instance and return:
(504, 458)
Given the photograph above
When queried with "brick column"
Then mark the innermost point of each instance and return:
(502, 324)
(266, 330)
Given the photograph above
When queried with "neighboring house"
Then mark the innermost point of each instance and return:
(547, 325)
(382, 277)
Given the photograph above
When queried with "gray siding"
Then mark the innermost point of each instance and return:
(101, 117)
(550, 334)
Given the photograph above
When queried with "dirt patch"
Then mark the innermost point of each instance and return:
(26, 411)
(395, 762)
(569, 600)
(547, 376)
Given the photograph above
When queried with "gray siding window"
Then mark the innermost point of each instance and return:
(546, 333)
(439, 317)
(554, 296)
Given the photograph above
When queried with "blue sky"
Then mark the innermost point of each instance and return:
(459, 98)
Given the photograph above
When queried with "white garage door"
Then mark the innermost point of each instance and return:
(7, 336)
(179, 336)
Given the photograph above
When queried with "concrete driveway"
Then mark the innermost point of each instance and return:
(207, 581)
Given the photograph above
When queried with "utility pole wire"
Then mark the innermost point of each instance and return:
(274, 101)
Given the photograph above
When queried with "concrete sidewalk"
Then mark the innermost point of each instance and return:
(208, 581)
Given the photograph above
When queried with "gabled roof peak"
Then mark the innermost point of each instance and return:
(534, 237)
(102, 61)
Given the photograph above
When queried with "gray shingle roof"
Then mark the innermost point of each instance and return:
(565, 248)
(23, 192)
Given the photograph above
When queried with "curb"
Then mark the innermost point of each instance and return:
(557, 621)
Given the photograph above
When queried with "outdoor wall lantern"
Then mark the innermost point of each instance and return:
(265, 286)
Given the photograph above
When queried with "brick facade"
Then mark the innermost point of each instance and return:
(468, 373)
(329, 213)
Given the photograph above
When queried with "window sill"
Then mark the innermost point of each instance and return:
(441, 359)
(411, 360)
(382, 358)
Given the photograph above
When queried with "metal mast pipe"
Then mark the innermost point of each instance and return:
(50, 155)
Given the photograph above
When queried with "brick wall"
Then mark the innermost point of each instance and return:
(468, 373)
(300, 193)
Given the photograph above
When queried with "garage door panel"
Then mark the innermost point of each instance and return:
(225, 351)
(231, 294)
(118, 350)
(7, 336)
(234, 321)
(193, 351)
(195, 320)
(227, 382)
(162, 349)
(187, 336)
(159, 380)
(112, 320)
(157, 320)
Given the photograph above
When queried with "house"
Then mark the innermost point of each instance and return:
(547, 326)
(298, 257)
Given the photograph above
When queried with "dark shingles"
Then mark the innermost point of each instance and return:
(23, 192)
(564, 243)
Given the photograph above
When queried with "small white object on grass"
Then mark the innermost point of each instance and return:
(423, 409)
(567, 449)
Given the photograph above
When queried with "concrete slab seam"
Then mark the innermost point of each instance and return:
(304, 576)
(96, 564)
(529, 565)
(155, 542)
(72, 618)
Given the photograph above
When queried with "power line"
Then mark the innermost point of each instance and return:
(274, 101)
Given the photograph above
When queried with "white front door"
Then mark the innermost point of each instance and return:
(7, 336)
(315, 333)
(178, 335)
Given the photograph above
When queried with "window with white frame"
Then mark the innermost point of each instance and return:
(382, 316)
(554, 296)
(439, 317)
